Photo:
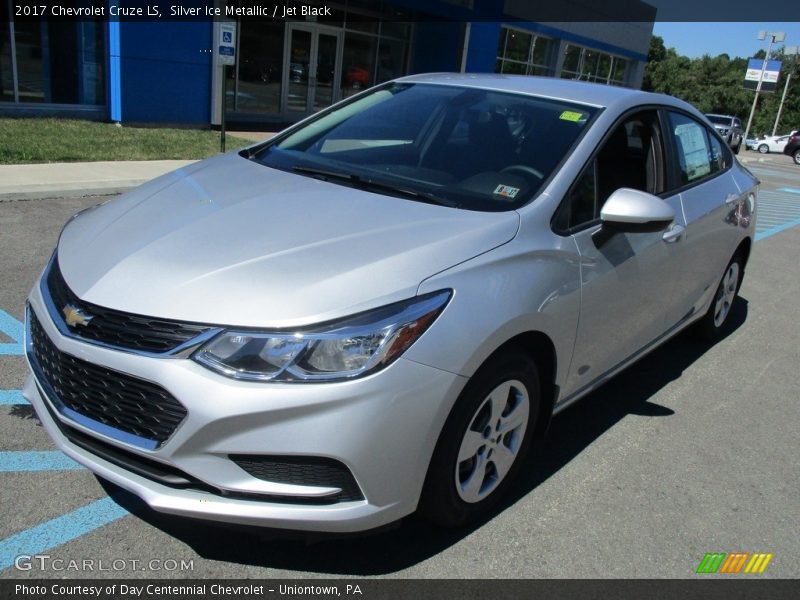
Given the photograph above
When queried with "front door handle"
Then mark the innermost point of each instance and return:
(674, 234)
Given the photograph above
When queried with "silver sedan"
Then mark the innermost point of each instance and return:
(380, 309)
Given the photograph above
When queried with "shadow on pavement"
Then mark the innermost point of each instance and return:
(413, 540)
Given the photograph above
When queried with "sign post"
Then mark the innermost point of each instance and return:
(226, 56)
(777, 36)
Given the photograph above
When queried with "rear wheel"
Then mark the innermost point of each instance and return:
(763, 148)
(484, 441)
(713, 322)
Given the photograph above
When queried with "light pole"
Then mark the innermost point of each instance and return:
(774, 36)
(790, 51)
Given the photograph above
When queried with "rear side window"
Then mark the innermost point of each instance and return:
(699, 152)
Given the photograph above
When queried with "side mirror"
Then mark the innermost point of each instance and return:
(632, 211)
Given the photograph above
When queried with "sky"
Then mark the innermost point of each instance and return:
(735, 39)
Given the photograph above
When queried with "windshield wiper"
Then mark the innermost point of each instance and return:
(371, 184)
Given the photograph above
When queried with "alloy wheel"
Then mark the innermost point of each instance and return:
(726, 294)
(492, 441)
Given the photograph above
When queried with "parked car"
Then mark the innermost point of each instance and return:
(356, 77)
(730, 128)
(792, 148)
(750, 143)
(772, 143)
(380, 309)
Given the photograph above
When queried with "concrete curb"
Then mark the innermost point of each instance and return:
(76, 180)
(82, 192)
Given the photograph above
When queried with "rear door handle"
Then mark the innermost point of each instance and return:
(674, 234)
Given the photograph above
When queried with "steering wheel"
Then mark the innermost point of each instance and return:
(523, 170)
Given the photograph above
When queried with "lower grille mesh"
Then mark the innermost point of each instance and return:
(302, 470)
(125, 403)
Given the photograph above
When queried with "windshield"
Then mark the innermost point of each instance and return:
(717, 120)
(456, 146)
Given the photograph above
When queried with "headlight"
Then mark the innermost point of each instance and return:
(344, 349)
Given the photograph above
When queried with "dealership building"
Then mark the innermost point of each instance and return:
(168, 72)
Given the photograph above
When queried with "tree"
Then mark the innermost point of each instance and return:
(716, 84)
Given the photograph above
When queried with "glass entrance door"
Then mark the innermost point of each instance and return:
(312, 68)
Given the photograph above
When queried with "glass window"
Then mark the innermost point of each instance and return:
(619, 71)
(630, 157)
(581, 204)
(395, 29)
(57, 62)
(260, 67)
(358, 63)
(6, 71)
(523, 53)
(30, 67)
(572, 62)
(692, 145)
(518, 46)
(391, 60)
(718, 156)
(471, 148)
(541, 57)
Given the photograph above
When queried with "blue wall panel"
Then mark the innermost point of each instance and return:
(166, 72)
(482, 48)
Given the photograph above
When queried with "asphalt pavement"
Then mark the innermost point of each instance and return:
(692, 450)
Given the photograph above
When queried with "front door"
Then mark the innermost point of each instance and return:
(312, 68)
(627, 283)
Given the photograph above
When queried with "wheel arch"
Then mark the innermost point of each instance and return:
(541, 348)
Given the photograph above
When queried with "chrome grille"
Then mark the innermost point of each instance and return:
(116, 328)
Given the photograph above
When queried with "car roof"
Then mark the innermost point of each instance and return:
(593, 94)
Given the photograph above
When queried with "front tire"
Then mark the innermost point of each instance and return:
(796, 157)
(763, 148)
(738, 147)
(484, 441)
(712, 325)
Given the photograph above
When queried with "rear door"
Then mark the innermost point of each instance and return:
(709, 199)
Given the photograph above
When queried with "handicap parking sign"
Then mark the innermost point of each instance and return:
(226, 51)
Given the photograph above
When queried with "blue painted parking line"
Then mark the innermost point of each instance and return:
(13, 329)
(44, 460)
(777, 211)
(60, 530)
(11, 397)
(777, 229)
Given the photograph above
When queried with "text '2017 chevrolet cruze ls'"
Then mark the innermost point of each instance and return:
(379, 309)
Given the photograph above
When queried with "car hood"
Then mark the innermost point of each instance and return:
(229, 241)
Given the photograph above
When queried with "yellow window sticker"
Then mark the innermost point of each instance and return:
(571, 115)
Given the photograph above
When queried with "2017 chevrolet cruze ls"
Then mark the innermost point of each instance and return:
(379, 309)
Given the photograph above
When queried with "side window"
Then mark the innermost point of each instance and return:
(630, 157)
(717, 155)
(699, 152)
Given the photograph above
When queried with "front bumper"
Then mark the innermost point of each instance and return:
(383, 428)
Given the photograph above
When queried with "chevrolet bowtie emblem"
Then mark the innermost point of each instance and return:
(75, 316)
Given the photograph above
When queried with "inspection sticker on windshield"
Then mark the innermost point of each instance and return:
(506, 191)
(571, 115)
